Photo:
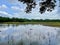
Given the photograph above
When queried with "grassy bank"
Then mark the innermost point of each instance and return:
(55, 24)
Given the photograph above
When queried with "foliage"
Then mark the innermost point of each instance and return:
(44, 5)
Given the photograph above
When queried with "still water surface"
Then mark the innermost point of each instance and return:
(12, 34)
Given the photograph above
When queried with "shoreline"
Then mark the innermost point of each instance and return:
(54, 24)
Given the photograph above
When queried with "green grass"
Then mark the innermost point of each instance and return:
(55, 24)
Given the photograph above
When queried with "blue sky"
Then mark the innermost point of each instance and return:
(13, 8)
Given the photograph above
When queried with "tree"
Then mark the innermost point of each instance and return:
(44, 5)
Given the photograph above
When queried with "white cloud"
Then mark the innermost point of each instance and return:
(13, 1)
(19, 15)
(17, 8)
(3, 6)
(2, 12)
(5, 14)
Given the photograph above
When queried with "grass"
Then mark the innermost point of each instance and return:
(55, 24)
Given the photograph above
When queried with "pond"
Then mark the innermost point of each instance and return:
(29, 34)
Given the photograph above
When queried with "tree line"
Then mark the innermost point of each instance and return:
(7, 19)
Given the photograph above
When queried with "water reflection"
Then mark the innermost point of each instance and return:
(12, 34)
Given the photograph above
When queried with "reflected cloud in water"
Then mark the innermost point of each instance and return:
(30, 34)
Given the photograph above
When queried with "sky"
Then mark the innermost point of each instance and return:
(14, 8)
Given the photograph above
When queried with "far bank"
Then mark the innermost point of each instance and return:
(55, 24)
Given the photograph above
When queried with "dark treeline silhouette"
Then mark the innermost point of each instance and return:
(44, 5)
(6, 19)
